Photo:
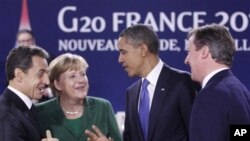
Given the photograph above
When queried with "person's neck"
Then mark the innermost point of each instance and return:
(214, 67)
(149, 65)
(71, 108)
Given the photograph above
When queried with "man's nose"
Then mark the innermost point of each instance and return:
(46, 80)
(186, 60)
(120, 59)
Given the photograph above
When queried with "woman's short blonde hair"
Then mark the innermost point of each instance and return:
(61, 64)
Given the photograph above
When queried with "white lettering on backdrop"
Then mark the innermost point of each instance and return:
(70, 22)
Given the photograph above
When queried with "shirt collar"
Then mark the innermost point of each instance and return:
(155, 73)
(24, 98)
(210, 75)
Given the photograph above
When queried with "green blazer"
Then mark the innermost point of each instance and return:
(97, 111)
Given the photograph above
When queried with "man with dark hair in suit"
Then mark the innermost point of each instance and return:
(27, 74)
(158, 105)
(26, 37)
(223, 99)
(169, 92)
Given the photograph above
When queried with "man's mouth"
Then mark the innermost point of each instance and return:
(41, 89)
(125, 67)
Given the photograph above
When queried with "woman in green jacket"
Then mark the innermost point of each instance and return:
(72, 112)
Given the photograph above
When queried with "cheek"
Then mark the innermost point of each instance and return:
(66, 84)
(192, 59)
(127, 59)
(193, 65)
(87, 88)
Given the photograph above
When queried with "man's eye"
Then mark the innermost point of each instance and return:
(123, 52)
(40, 74)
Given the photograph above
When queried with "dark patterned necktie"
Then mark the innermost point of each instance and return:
(31, 115)
(32, 111)
(144, 108)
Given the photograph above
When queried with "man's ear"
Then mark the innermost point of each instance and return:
(205, 52)
(144, 49)
(19, 74)
(57, 85)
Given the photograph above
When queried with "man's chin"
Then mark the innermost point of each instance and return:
(38, 97)
(131, 74)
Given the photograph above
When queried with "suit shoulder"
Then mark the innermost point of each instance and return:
(175, 74)
(178, 72)
(135, 84)
(5, 107)
(46, 104)
(181, 76)
(96, 100)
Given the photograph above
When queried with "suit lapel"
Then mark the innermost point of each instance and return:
(58, 114)
(158, 100)
(22, 110)
(19, 104)
(89, 112)
(135, 93)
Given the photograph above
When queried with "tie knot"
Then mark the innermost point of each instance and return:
(145, 83)
(32, 109)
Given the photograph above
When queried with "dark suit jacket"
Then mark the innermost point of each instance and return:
(223, 101)
(170, 109)
(16, 123)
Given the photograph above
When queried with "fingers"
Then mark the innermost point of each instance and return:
(90, 134)
(97, 131)
(49, 137)
(48, 134)
(110, 139)
(96, 135)
(89, 139)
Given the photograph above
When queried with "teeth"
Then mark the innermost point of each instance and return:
(41, 89)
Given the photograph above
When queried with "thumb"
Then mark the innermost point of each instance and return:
(48, 134)
(111, 139)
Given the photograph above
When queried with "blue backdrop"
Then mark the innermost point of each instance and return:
(90, 28)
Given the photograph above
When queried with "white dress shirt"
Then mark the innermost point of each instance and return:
(22, 96)
(210, 75)
(152, 78)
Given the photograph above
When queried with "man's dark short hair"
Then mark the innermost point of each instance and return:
(21, 57)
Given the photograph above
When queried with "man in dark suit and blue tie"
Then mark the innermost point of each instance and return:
(160, 109)
(223, 99)
(27, 74)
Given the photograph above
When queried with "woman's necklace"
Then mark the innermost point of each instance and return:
(70, 112)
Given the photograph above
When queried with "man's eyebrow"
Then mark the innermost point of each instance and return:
(121, 50)
(42, 71)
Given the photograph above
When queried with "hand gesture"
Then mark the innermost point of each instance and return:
(49, 137)
(96, 135)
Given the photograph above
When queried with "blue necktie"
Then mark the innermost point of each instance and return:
(144, 108)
